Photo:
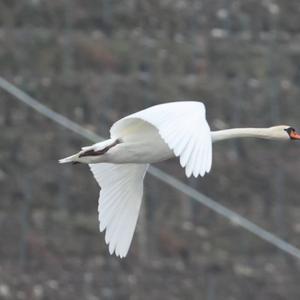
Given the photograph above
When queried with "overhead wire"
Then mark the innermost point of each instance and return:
(180, 186)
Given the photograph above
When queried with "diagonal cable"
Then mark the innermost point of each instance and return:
(156, 172)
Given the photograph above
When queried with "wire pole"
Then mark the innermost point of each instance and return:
(24, 221)
(157, 173)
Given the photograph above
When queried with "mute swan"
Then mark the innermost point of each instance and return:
(119, 164)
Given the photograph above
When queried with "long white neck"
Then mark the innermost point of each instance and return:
(263, 133)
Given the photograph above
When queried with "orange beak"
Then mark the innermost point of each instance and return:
(294, 135)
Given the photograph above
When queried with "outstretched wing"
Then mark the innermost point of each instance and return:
(183, 126)
(119, 202)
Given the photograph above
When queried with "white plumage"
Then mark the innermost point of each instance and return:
(119, 164)
(183, 127)
(119, 202)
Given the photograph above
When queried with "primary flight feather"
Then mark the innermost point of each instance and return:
(119, 164)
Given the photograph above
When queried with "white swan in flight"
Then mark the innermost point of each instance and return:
(119, 164)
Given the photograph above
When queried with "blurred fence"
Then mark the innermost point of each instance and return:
(242, 58)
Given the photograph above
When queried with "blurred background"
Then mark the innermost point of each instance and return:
(95, 61)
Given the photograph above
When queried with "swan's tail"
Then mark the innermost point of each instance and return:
(72, 158)
(87, 153)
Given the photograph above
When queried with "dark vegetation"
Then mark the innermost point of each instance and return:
(95, 61)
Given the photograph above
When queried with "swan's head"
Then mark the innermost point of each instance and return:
(293, 134)
(284, 132)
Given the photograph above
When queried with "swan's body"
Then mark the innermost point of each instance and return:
(119, 164)
(136, 145)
